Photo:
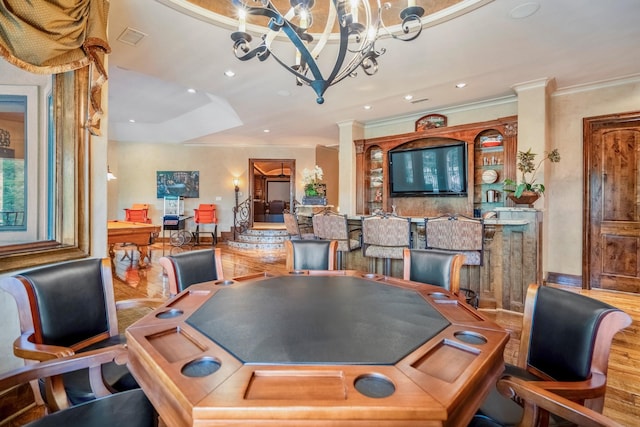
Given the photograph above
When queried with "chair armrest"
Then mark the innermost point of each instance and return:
(25, 348)
(90, 359)
(591, 388)
(535, 398)
(139, 302)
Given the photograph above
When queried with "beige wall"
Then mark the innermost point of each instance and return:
(135, 165)
(564, 181)
(327, 159)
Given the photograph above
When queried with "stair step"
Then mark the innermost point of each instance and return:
(256, 246)
(265, 232)
(260, 239)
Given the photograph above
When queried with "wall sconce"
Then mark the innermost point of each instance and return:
(236, 181)
(110, 175)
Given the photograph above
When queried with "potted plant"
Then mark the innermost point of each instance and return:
(527, 191)
(314, 191)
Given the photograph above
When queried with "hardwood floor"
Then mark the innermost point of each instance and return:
(622, 401)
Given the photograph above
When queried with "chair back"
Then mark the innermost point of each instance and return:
(139, 212)
(456, 233)
(69, 304)
(385, 236)
(440, 268)
(205, 214)
(564, 327)
(334, 226)
(276, 207)
(191, 267)
(311, 254)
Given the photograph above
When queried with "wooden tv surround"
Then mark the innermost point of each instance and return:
(512, 255)
(507, 127)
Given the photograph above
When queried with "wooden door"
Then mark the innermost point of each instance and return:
(611, 249)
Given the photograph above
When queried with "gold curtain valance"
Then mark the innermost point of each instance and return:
(55, 36)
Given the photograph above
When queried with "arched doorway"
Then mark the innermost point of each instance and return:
(271, 180)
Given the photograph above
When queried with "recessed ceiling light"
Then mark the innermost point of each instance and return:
(408, 97)
(229, 73)
(132, 120)
(367, 107)
(266, 131)
(524, 10)
(191, 90)
(461, 85)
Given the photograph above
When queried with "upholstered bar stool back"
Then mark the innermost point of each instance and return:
(333, 226)
(456, 233)
(293, 228)
(386, 237)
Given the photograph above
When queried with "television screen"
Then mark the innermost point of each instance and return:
(429, 171)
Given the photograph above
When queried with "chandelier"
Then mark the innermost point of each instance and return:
(358, 29)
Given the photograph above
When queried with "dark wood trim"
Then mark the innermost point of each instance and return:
(564, 279)
(14, 402)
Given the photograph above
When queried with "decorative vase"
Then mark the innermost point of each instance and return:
(526, 198)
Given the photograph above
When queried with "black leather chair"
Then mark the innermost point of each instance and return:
(129, 408)
(564, 348)
(440, 268)
(67, 308)
(311, 254)
(187, 268)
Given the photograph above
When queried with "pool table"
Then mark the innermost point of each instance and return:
(137, 233)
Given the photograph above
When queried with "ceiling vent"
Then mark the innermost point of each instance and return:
(131, 37)
(417, 101)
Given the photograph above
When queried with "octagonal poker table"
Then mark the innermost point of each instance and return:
(316, 348)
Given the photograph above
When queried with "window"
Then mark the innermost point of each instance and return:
(45, 184)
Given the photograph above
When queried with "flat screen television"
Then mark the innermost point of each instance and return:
(439, 170)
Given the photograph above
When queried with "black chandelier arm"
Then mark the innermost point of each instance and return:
(307, 71)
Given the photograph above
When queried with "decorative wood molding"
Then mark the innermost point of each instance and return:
(563, 279)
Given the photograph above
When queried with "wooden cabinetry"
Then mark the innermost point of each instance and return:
(489, 166)
(375, 179)
(372, 189)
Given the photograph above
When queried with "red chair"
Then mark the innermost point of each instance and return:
(206, 214)
(139, 212)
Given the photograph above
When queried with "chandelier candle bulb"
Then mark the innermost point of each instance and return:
(411, 3)
(242, 20)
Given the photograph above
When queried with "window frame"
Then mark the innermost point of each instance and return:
(64, 187)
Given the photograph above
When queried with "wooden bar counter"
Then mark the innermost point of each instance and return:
(316, 348)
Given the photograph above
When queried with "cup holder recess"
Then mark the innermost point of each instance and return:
(374, 385)
(200, 367)
(224, 282)
(438, 295)
(169, 314)
(470, 337)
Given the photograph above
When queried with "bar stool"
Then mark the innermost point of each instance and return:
(385, 236)
(206, 214)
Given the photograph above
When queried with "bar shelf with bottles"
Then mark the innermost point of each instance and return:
(489, 168)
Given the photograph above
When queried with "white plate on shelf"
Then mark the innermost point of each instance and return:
(489, 176)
